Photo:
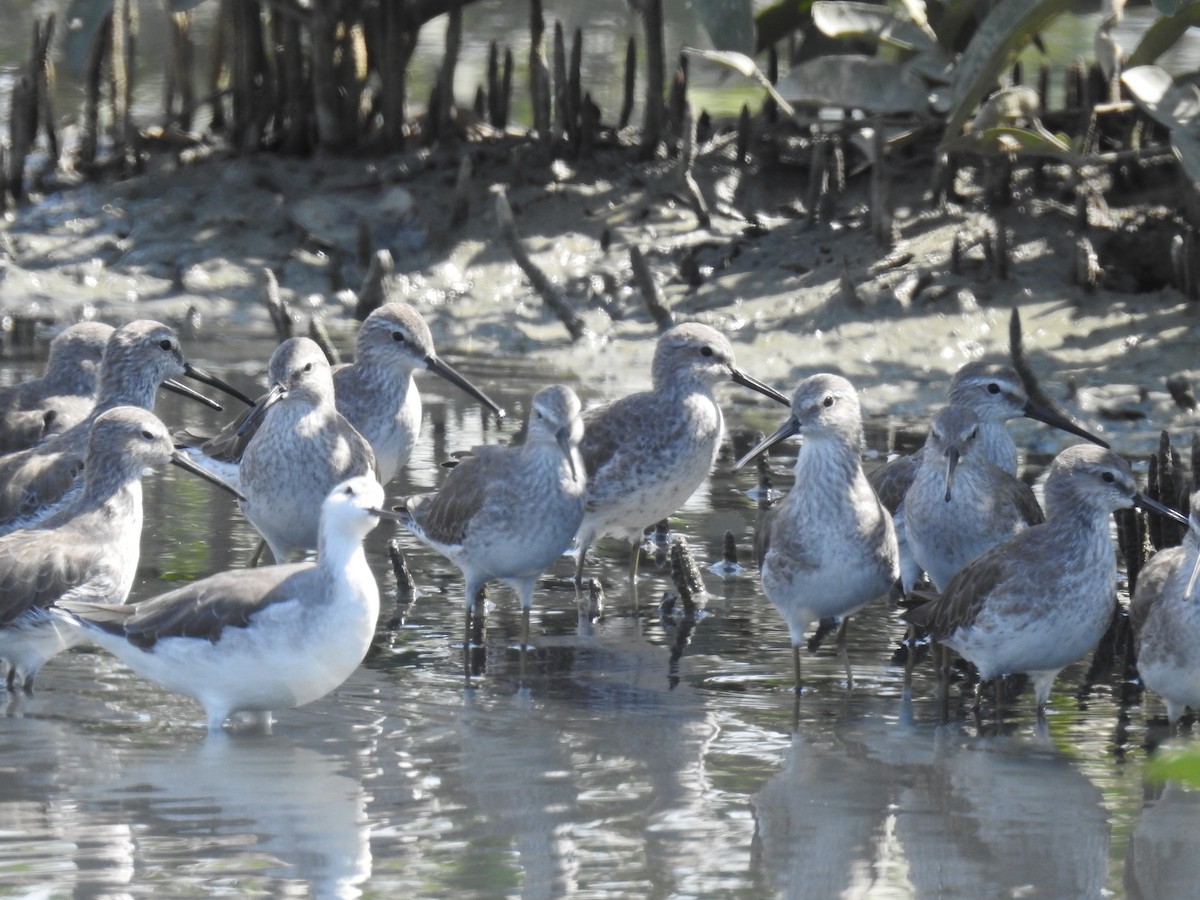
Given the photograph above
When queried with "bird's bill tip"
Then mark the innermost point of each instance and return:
(1062, 423)
(439, 367)
(737, 376)
(184, 391)
(785, 431)
(183, 461)
(1150, 505)
(195, 372)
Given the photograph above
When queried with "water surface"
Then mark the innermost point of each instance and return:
(625, 762)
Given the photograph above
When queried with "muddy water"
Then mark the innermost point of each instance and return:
(627, 762)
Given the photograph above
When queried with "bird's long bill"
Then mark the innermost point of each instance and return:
(563, 437)
(951, 468)
(737, 376)
(782, 433)
(182, 461)
(254, 417)
(387, 514)
(435, 365)
(184, 391)
(1050, 417)
(1141, 501)
(213, 381)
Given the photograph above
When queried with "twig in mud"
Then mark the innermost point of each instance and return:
(1016, 347)
(651, 292)
(461, 207)
(320, 335)
(373, 292)
(686, 575)
(277, 308)
(537, 278)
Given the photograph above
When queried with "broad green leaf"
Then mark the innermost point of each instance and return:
(1007, 29)
(856, 82)
(729, 23)
(1156, 94)
(743, 65)
(1009, 141)
(1162, 35)
(841, 18)
(777, 21)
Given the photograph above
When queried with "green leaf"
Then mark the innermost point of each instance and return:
(841, 18)
(1162, 36)
(1156, 94)
(743, 65)
(777, 21)
(729, 23)
(856, 82)
(1010, 140)
(1008, 28)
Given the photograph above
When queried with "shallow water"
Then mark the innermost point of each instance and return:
(626, 762)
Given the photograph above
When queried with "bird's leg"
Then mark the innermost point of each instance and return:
(843, 653)
(796, 666)
(258, 552)
(634, 556)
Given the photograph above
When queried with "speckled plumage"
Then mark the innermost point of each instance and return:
(1043, 598)
(509, 512)
(961, 504)
(87, 551)
(258, 640)
(995, 394)
(138, 358)
(646, 453)
(377, 394)
(829, 548)
(302, 449)
(1166, 621)
(63, 396)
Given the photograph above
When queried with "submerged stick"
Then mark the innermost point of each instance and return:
(373, 292)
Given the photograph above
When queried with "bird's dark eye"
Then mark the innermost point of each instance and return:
(827, 402)
(1109, 477)
(398, 337)
(706, 351)
(166, 344)
(349, 492)
(148, 435)
(308, 367)
(993, 388)
(971, 436)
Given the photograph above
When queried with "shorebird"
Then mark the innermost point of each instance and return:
(65, 393)
(1165, 614)
(376, 393)
(302, 447)
(138, 358)
(646, 453)
(960, 504)
(829, 548)
(257, 640)
(509, 512)
(87, 550)
(995, 394)
(1043, 598)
